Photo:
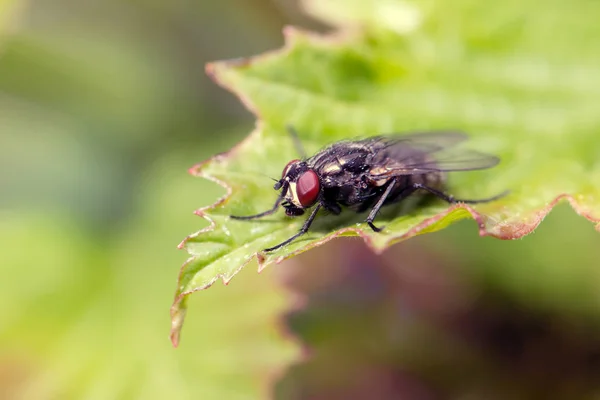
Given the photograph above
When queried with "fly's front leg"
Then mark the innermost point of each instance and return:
(264, 213)
(301, 232)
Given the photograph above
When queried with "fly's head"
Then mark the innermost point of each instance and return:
(301, 187)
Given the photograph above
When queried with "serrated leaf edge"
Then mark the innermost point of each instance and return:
(500, 231)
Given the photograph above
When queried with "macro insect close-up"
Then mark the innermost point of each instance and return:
(367, 174)
(300, 200)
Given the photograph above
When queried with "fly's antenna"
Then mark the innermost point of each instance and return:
(296, 139)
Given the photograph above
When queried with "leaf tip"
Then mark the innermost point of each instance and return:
(178, 311)
(260, 258)
(195, 169)
(209, 69)
(214, 69)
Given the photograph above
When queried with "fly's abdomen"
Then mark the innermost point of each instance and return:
(404, 185)
(435, 180)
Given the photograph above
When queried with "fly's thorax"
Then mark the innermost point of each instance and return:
(383, 173)
(332, 168)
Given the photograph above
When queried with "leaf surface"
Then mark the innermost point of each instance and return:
(524, 88)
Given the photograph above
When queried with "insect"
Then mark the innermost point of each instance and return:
(370, 173)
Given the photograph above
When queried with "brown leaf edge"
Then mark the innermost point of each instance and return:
(500, 231)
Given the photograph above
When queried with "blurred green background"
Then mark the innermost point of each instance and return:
(103, 107)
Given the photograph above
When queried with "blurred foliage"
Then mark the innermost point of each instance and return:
(463, 65)
(116, 85)
(9, 10)
(104, 107)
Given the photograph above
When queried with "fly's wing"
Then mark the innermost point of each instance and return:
(464, 160)
(418, 142)
(426, 152)
(423, 142)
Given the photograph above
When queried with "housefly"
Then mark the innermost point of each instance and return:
(370, 173)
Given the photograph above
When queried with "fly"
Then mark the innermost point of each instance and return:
(371, 173)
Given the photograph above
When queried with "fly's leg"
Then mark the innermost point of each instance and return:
(382, 199)
(333, 208)
(297, 143)
(301, 232)
(264, 213)
(452, 199)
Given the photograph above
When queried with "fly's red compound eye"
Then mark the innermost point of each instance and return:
(307, 188)
(287, 168)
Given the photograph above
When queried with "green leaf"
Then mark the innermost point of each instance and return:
(525, 88)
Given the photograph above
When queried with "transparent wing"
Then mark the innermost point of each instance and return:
(400, 146)
(419, 142)
(459, 160)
